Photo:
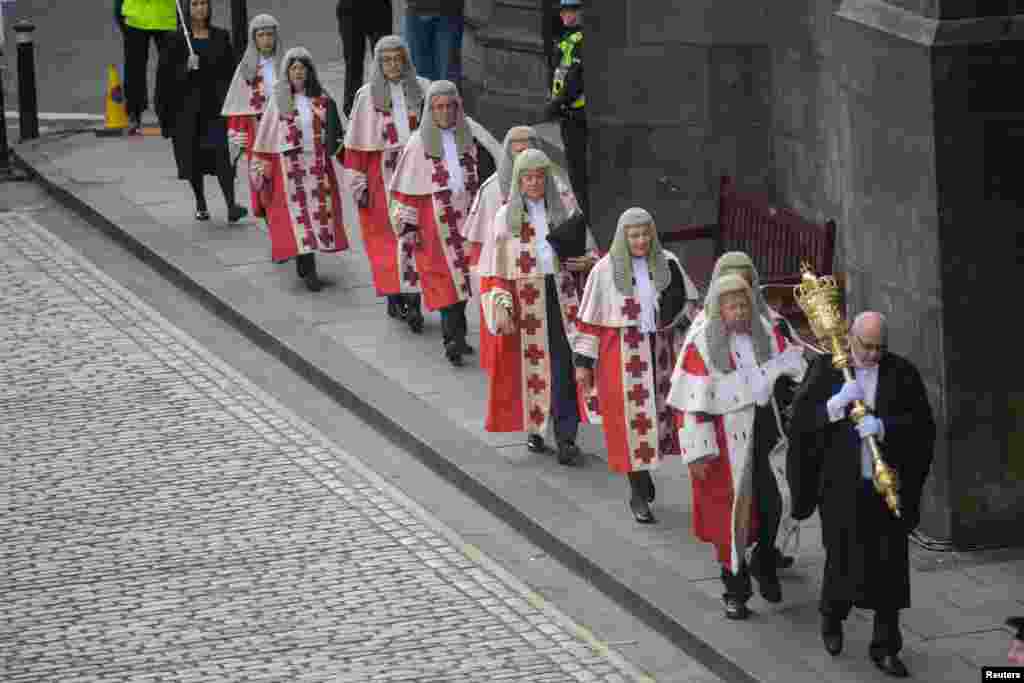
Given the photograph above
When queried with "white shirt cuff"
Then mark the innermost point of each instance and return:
(836, 411)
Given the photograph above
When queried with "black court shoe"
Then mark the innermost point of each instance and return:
(832, 635)
(569, 454)
(396, 309)
(535, 444)
(452, 353)
(735, 608)
(641, 511)
(891, 665)
(237, 213)
(202, 215)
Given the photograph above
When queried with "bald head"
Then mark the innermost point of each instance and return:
(869, 323)
(868, 334)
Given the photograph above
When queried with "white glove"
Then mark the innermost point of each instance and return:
(193, 63)
(850, 392)
(763, 388)
(870, 426)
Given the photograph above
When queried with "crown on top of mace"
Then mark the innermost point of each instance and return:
(821, 298)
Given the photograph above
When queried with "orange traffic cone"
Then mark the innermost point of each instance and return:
(116, 119)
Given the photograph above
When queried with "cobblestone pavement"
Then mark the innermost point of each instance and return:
(165, 520)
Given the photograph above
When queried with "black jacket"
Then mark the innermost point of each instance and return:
(193, 100)
(861, 537)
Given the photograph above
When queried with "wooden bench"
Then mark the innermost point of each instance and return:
(777, 240)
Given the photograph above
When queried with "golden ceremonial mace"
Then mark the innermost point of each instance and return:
(819, 298)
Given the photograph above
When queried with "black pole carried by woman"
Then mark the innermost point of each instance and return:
(198, 68)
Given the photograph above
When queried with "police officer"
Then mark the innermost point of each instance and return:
(567, 100)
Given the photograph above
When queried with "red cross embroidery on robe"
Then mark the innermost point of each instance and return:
(533, 354)
(644, 453)
(297, 173)
(455, 240)
(631, 309)
(641, 423)
(537, 416)
(390, 133)
(294, 136)
(530, 323)
(529, 294)
(536, 384)
(451, 217)
(257, 100)
(440, 176)
(326, 237)
(568, 286)
(571, 313)
(636, 367)
(632, 336)
(526, 262)
(638, 395)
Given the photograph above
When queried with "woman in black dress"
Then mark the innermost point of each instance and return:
(197, 85)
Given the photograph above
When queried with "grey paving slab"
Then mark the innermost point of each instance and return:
(168, 520)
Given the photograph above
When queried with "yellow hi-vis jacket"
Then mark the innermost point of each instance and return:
(150, 15)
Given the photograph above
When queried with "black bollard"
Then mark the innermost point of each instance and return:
(28, 105)
(239, 27)
(5, 152)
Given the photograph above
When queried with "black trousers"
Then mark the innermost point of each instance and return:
(564, 409)
(305, 264)
(766, 491)
(886, 637)
(372, 20)
(136, 63)
(453, 322)
(574, 137)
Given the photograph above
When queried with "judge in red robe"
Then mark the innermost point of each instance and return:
(492, 196)
(635, 309)
(249, 92)
(530, 304)
(298, 144)
(723, 386)
(433, 187)
(386, 112)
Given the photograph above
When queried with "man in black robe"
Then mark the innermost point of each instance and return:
(830, 467)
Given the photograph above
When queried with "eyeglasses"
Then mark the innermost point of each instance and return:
(870, 348)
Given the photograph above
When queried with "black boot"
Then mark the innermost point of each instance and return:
(453, 353)
(305, 266)
(639, 497)
(396, 307)
(413, 314)
(832, 634)
(764, 568)
(737, 592)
